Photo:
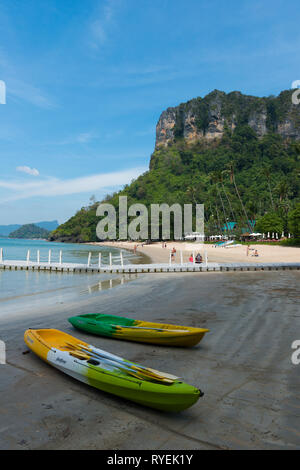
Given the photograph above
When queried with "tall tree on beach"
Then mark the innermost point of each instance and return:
(282, 190)
(212, 215)
(218, 218)
(191, 192)
(266, 171)
(215, 178)
(232, 180)
(226, 195)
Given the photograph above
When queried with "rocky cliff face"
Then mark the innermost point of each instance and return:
(208, 117)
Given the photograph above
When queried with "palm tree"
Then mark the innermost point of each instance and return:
(266, 171)
(191, 191)
(227, 197)
(284, 207)
(218, 218)
(212, 215)
(232, 180)
(283, 190)
(215, 178)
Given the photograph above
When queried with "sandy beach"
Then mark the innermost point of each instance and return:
(158, 254)
(243, 366)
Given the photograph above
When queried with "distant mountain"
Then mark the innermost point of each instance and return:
(5, 230)
(29, 231)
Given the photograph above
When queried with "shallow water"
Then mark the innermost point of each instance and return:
(32, 290)
(20, 290)
(14, 249)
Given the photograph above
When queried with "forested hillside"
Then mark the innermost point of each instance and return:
(241, 175)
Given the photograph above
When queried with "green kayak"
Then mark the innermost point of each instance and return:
(136, 330)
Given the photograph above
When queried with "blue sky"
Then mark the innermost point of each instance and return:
(87, 80)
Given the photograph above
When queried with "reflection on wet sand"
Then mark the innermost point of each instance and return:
(108, 284)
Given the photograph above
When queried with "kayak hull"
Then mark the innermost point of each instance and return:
(49, 346)
(140, 331)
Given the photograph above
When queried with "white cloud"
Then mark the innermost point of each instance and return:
(98, 33)
(52, 187)
(85, 137)
(81, 138)
(101, 23)
(26, 92)
(28, 170)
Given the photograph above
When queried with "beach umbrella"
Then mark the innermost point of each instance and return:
(276, 236)
(263, 235)
(268, 234)
(282, 235)
(272, 235)
(289, 235)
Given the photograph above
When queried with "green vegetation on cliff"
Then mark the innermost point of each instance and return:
(238, 177)
(79, 228)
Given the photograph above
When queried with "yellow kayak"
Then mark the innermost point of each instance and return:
(111, 373)
(136, 330)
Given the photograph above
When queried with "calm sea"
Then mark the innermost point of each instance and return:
(14, 249)
(18, 288)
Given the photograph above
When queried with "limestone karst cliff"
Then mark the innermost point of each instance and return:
(207, 118)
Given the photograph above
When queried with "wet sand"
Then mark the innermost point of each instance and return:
(243, 366)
